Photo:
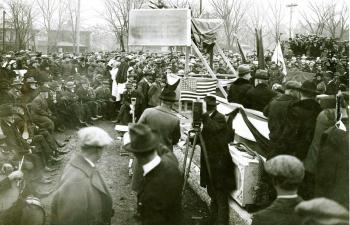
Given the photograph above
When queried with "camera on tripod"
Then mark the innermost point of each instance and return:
(197, 111)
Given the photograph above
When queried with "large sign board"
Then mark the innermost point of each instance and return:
(160, 27)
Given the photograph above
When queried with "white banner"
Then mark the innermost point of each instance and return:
(160, 27)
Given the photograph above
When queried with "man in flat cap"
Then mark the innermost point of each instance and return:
(239, 87)
(259, 96)
(82, 196)
(159, 201)
(287, 172)
(322, 211)
(276, 112)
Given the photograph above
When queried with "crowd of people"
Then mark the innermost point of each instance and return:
(44, 94)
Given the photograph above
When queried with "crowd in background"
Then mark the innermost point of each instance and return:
(43, 94)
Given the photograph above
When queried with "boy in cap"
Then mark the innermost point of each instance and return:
(287, 172)
(159, 202)
(82, 196)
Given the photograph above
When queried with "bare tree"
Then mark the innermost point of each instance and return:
(72, 13)
(232, 13)
(315, 17)
(47, 10)
(117, 15)
(337, 23)
(21, 19)
(275, 18)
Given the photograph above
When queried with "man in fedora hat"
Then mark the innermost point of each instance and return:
(159, 198)
(259, 96)
(276, 112)
(163, 120)
(82, 196)
(240, 86)
(220, 163)
(287, 173)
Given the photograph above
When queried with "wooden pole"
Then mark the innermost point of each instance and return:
(187, 60)
(208, 68)
(78, 28)
(225, 59)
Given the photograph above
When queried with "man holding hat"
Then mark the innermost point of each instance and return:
(259, 96)
(276, 112)
(240, 86)
(159, 198)
(222, 178)
(82, 196)
(287, 172)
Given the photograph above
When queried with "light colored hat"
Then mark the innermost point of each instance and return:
(243, 70)
(94, 136)
(286, 166)
(323, 211)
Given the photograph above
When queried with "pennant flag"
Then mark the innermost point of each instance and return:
(244, 59)
(277, 57)
(193, 88)
(260, 50)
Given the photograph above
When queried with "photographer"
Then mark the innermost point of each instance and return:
(220, 163)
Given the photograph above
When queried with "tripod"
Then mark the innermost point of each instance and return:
(196, 130)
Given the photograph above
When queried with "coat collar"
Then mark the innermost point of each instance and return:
(96, 180)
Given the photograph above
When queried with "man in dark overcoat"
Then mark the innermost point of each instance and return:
(220, 163)
(259, 96)
(82, 196)
(301, 119)
(239, 88)
(276, 112)
(159, 198)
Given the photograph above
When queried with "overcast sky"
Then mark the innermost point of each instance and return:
(91, 9)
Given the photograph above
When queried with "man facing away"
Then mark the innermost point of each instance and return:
(82, 197)
(287, 172)
(159, 196)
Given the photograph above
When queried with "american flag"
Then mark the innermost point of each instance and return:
(193, 88)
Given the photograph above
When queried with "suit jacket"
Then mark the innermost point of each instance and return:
(40, 107)
(14, 138)
(238, 90)
(280, 212)
(258, 97)
(159, 200)
(164, 122)
(82, 197)
(215, 137)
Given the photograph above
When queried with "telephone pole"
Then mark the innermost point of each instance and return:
(291, 6)
(78, 29)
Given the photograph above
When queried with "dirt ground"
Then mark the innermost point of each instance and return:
(114, 169)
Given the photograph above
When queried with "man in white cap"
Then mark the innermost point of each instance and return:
(82, 196)
(287, 173)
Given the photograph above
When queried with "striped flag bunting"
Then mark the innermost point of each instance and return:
(193, 88)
